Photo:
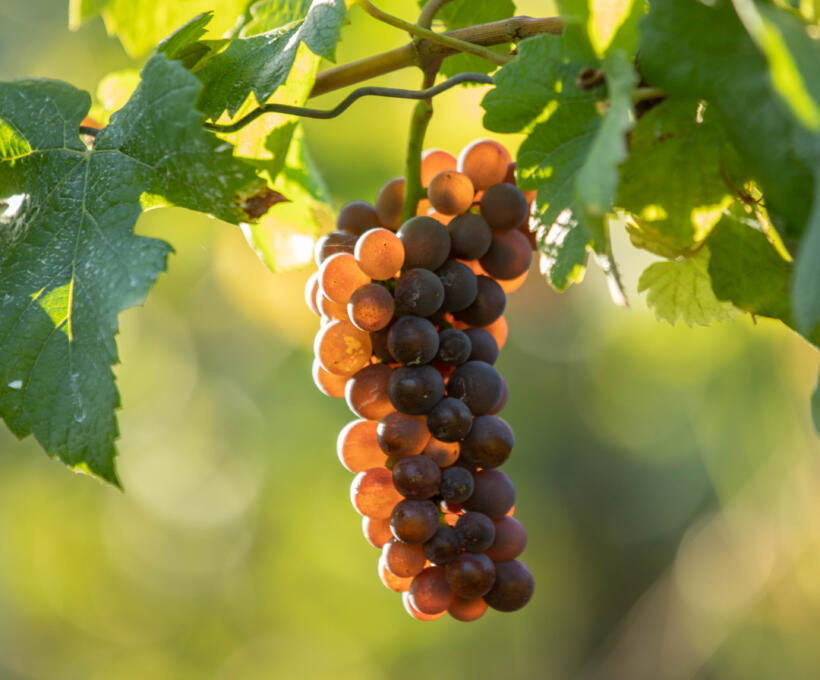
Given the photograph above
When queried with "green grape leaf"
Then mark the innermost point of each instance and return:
(681, 289)
(681, 173)
(261, 63)
(265, 15)
(179, 42)
(563, 251)
(69, 258)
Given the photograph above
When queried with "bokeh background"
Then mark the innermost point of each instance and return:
(668, 477)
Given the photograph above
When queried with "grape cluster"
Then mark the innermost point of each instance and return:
(411, 325)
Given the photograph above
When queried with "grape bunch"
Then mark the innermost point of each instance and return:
(411, 325)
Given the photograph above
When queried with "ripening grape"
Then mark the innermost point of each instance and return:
(488, 305)
(483, 345)
(443, 454)
(484, 162)
(434, 161)
(470, 235)
(373, 494)
(512, 285)
(379, 341)
(443, 546)
(328, 383)
(493, 495)
(401, 435)
(416, 477)
(419, 292)
(513, 586)
(415, 613)
(357, 217)
(342, 348)
(457, 484)
(311, 291)
(488, 443)
(476, 531)
(510, 540)
(366, 392)
(339, 276)
(504, 206)
(477, 384)
(390, 202)
(460, 285)
(380, 253)
(454, 347)
(332, 243)
(402, 559)
(451, 192)
(470, 575)
(371, 307)
(330, 309)
(426, 243)
(467, 610)
(509, 255)
(429, 593)
(399, 584)
(498, 329)
(415, 521)
(415, 389)
(449, 420)
(358, 446)
(376, 531)
(413, 341)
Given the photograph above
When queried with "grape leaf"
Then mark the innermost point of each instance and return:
(681, 289)
(563, 251)
(261, 63)
(681, 173)
(69, 260)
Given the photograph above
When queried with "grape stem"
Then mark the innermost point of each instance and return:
(422, 113)
(393, 92)
(439, 38)
(640, 94)
(429, 11)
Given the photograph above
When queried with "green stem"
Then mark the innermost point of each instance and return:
(429, 11)
(427, 34)
(641, 94)
(419, 121)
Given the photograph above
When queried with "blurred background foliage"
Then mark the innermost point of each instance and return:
(668, 477)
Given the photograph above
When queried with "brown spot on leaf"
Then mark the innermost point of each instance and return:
(257, 203)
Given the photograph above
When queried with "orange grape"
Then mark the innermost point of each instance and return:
(380, 253)
(511, 285)
(390, 202)
(371, 306)
(357, 217)
(366, 393)
(339, 276)
(342, 348)
(311, 291)
(485, 162)
(498, 329)
(403, 559)
(423, 207)
(444, 454)
(434, 161)
(429, 592)
(398, 584)
(377, 532)
(451, 192)
(373, 494)
(358, 447)
(330, 309)
(467, 610)
(332, 243)
(328, 383)
(440, 217)
(415, 613)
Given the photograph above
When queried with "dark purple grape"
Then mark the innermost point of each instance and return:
(471, 236)
(460, 285)
(379, 341)
(413, 340)
(476, 531)
(457, 484)
(419, 291)
(414, 521)
(488, 443)
(443, 547)
(488, 305)
(484, 345)
(477, 384)
(417, 477)
(470, 575)
(454, 347)
(504, 206)
(510, 540)
(332, 243)
(426, 243)
(513, 586)
(415, 390)
(494, 494)
(509, 256)
(357, 217)
(449, 420)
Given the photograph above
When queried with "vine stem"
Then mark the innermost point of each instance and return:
(419, 122)
(429, 11)
(641, 94)
(442, 39)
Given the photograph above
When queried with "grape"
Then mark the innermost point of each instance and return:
(416, 477)
(484, 346)
(413, 340)
(477, 384)
(331, 310)
(415, 389)
(488, 305)
(494, 494)
(498, 329)
(443, 547)
(342, 348)
(380, 253)
(451, 192)
(510, 540)
(399, 584)
(371, 307)
(379, 341)
(470, 575)
(513, 586)
(504, 206)
(460, 285)
(419, 291)
(328, 383)
(454, 347)
(440, 217)
(400, 435)
(484, 162)
(457, 484)
(332, 243)
(426, 243)
(390, 202)
(470, 235)
(403, 559)
(502, 400)
(467, 610)
(512, 285)
(476, 531)
(489, 442)
(366, 392)
(357, 217)
(415, 613)
(434, 161)
(358, 446)
(429, 592)
(443, 454)
(449, 420)
(414, 521)
(340, 276)
(311, 291)
(509, 255)
(376, 531)
(373, 494)
(423, 207)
